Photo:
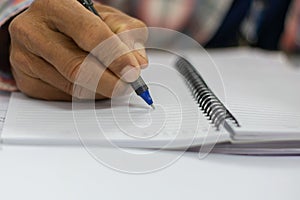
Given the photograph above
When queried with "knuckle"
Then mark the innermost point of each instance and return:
(17, 26)
(118, 89)
(72, 68)
(136, 29)
(138, 23)
(40, 5)
(21, 83)
(106, 8)
(17, 59)
(82, 93)
(68, 88)
(13, 59)
(124, 27)
(21, 31)
(132, 23)
(143, 30)
(88, 38)
(20, 61)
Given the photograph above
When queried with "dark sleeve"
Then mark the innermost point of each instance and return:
(4, 50)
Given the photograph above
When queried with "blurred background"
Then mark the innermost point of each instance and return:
(267, 24)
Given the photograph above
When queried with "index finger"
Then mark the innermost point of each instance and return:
(132, 32)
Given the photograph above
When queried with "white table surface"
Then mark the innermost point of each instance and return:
(29, 172)
(71, 173)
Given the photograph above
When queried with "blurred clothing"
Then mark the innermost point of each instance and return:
(290, 40)
(265, 23)
(199, 19)
(9, 8)
(228, 33)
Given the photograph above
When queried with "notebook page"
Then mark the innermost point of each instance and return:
(262, 93)
(127, 122)
(4, 98)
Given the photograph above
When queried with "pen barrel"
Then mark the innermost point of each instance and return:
(90, 6)
(139, 86)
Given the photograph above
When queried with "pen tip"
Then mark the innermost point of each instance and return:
(153, 107)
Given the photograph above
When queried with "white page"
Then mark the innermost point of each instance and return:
(262, 92)
(175, 122)
(4, 98)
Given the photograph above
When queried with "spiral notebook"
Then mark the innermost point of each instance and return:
(255, 109)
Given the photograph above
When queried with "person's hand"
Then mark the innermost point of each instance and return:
(52, 38)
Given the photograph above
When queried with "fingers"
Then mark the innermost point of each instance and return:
(38, 89)
(79, 86)
(131, 31)
(119, 22)
(91, 34)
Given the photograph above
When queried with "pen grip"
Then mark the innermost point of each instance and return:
(90, 6)
(139, 86)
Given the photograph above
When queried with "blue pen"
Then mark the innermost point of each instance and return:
(139, 85)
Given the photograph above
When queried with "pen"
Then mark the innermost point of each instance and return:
(139, 85)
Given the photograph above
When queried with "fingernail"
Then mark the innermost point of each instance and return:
(130, 74)
(141, 49)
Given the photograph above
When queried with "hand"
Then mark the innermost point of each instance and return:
(51, 40)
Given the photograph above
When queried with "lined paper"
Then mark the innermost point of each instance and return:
(262, 92)
(177, 120)
(4, 98)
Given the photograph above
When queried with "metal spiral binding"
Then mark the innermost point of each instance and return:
(209, 103)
